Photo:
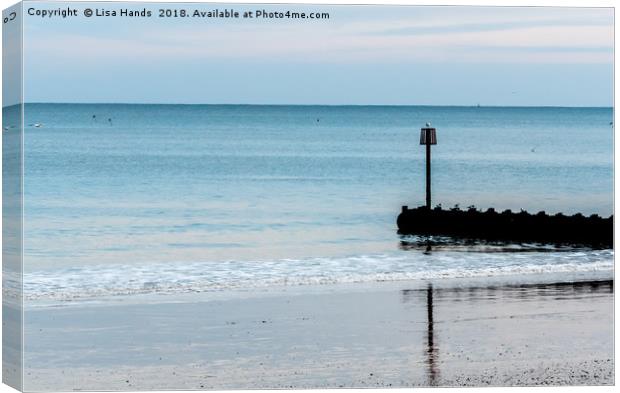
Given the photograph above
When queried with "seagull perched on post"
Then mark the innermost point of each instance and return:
(428, 123)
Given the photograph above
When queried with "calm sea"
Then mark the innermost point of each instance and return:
(126, 199)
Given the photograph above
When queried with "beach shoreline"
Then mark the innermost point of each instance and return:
(382, 335)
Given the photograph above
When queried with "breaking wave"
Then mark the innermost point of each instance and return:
(92, 282)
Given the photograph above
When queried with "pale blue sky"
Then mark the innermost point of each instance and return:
(361, 55)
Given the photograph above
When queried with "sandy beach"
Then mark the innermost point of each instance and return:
(380, 335)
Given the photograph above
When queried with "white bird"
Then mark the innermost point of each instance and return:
(428, 123)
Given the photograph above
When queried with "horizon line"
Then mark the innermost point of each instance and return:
(315, 105)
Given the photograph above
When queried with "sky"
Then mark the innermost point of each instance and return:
(361, 55)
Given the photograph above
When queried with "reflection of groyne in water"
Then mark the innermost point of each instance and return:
(524, 291)
(577, 229)
(437, 297)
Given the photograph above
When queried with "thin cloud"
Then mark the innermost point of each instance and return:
(561, 43)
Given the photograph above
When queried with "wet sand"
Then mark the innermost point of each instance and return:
(382, 335)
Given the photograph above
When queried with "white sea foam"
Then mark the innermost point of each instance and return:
(93, 282)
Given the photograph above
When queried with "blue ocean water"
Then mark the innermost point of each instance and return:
(123, 199)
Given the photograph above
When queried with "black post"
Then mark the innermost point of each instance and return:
(428, 176)
(428, 137)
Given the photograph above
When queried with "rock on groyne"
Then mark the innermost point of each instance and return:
(592, 231)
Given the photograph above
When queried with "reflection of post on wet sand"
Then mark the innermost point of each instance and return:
(431, 351)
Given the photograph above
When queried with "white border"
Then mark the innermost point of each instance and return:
(532, 3)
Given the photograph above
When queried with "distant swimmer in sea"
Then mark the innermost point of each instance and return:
(94, 117)
(110, 121)
(318, 120)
